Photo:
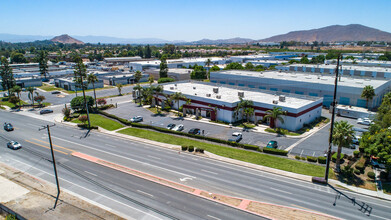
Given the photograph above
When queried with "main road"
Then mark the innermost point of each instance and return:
(159, 201)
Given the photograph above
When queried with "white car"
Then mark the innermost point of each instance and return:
(136, 119)
(364, 121)
(236, 137)
(356, 139)
(14, 145)
(178, 128)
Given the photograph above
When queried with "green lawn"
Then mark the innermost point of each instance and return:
(98, 120)
(9, 104)
(50, 88)
(234, 153)
(387, 187)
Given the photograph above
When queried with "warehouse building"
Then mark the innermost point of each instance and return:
(349, 88)
(178, 74)
(176, 63)
(219, 103)
(70, 85)
(26, 82)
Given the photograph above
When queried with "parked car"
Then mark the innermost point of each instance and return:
(136, 119)
(195, 131)
(170, 126)
(8, 127)
(45, 111)
(236, 137)
(5, 94)
(359, 129)
(14, 145)
(56, 92)
(375, 163)
(364, 121)
(272, 144)
(356, 139)
(178, 128)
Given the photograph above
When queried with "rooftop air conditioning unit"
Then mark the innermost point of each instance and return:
(172, 88)
(241, 94)
(275, 101)
(194, 87)
(216, 90)
(281, 98)
(208, 95)
(218, 96)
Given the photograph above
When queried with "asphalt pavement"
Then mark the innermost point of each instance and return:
(201, 173)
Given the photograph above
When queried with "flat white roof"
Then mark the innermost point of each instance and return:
(229, 94)
(185, 60)
(346, 67)
(268, 61)
(309, 78)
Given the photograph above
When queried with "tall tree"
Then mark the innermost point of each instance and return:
(163, 67)
(242, 106)
(119, 87)
(342, 137)
(80, 76)
(151, 80)
(157, 89)
(91, 78)
(207, 64)
(139, 89)
(17, 90)
(137, 76)
(43, 63)
(148, 52)
(177, 96)
(198, 73)
(368, 93)
(30, 90)
(274, 115)
(7, 77)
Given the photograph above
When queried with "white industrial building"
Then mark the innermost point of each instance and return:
(176, 63)
(374, 63)
(26, 82)
(70, 85)
(178, 74)
(349, 88)
(124, 78)
(219, 103)
(267, 63)
(347, 70)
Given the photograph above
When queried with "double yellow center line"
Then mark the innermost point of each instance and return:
(47, 143)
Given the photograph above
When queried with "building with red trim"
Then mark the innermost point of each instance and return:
(219, 103)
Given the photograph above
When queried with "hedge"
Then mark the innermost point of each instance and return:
(312, 159)
(357, 172)
(361, 164)
(275, 151)
(322, 160)
(86, 126)
(334, 157)
(199, 150)
(371, 175)
(297, 157)
(165, 80)
(184, 148)
(191, 148)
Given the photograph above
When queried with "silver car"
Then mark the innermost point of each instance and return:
(14, 145)
(136, 119)
(178, 128)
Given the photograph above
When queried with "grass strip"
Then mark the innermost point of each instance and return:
(103, 122)
(237, 154)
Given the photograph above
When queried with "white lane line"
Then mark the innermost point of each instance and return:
(213, 217)
(207, 171)
(145, 193)
(91, 173)
(126, 158)
(157, 158)
(31, 167)
(379, 217)
(280, 190)
(110, 145)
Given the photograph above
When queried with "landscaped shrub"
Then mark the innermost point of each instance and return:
(350, 157)
(334, 157)
(184, 148)
(357, 172)
(275, 151)
(356, 153)
(322, 160)
(297, 157)
(303, 158)
(312, 159)
(191, 148)
(360, 165)
(199, 150)
(371, 175)
(86, 126)
(165, 80)
(105, 107)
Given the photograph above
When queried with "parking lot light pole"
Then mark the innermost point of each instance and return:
(333, 104)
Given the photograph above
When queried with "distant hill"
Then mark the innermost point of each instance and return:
(236, 40)
(66, 39)
(351, 32)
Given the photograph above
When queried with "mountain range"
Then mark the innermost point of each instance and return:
(333, 33)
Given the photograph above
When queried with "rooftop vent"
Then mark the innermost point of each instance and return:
(218, 96)
(216, 90)
(171, 88)
(359, 82)
(194, 87)
(208, 95)
(275, 101)
(281, 98)
(241, 94)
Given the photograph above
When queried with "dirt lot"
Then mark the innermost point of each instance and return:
(38, 203)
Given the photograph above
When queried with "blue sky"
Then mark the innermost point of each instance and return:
(187, 19)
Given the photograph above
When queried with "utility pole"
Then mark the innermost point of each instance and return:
(53, 160)
(333, 104)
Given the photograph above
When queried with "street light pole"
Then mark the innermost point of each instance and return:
(333, 104)
(54, 161)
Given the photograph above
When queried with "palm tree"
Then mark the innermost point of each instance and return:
(80, 73)
(31, 94)
(177, 97)
(119, 87)
(342, 137)
(158, 89)
(248, 112)
(91, 78)
(151, 80)
(139, 89)
(368, 93)
(207, 63)
(243, 105)
(17, 90)
(275, 114)
(137, 76)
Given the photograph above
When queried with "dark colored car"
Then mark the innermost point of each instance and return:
(45, 111)
(272, 144)
(171, 126)
(194, 131)
(8, 127)
(56, 92)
